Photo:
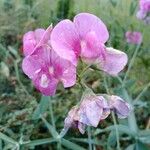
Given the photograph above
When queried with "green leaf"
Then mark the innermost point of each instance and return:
(85, 140)
(121, 128)
(8, 139)
(50, 128)
(141, 146)
(111, 141)
(144, 136)
(113, 2)
(130, 147)
(133, 7)
(71, 145)
(39, 142)
(42, 107)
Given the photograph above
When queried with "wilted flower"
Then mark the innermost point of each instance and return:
(91, 110)
(133, 37)
(45, 67)
(85, 37)
(144, 11)
(121, 108)
(94, 108)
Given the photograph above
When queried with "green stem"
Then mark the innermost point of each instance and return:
(113, 116)
(143, 91)
(89, 138)
(131, 62)
(116, 130)
(51, 112)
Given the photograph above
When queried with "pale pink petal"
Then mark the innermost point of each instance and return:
(114, 61)
(65, 41)
(94, 113)
(86, 23)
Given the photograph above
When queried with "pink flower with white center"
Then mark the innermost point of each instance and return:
(134, 37)
(46, 68)
(121, 108)
(85, 37)
(91, 110)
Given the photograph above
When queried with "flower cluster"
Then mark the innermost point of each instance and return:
(93, 109)
(52, 55)
(144, 11)
(133, 37)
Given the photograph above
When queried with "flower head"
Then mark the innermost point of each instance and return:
(85, 37)
(144, 11)
(91, 110)
(46, 68)
(133, 37)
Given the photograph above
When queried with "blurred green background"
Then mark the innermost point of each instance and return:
(18, 98)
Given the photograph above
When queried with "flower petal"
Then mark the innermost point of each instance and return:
(86, 23)
(30, 66)
(121, 107)
(49, 87)
(114, 61)
(64, 40)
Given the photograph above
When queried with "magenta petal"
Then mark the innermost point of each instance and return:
(49, 85)
(114, 61)
(29, 43)
(64, 40)
(69, 74)
(86, 22)
(38, 34)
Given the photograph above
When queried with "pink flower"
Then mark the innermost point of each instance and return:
(145, 5)
(91, 110)
(45, 67)
(85, 37)
(133, 37)
(121, 107)
(94, 108)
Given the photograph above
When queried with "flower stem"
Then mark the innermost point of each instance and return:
(116, 130)
(131, 62)
(113, 116)
(89, 137)
(51, 113)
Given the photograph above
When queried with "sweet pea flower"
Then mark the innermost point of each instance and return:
(145, 5)
(144, 11)
(44, 67)
(133, 37)
(119, 106)
(85, 37)
(89, 113)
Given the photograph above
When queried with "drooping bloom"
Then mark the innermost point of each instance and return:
(89, 113)
(45, 68)
(144, 11)
(121, 108)
(85, 37)
(93, 109)
(134, 37)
